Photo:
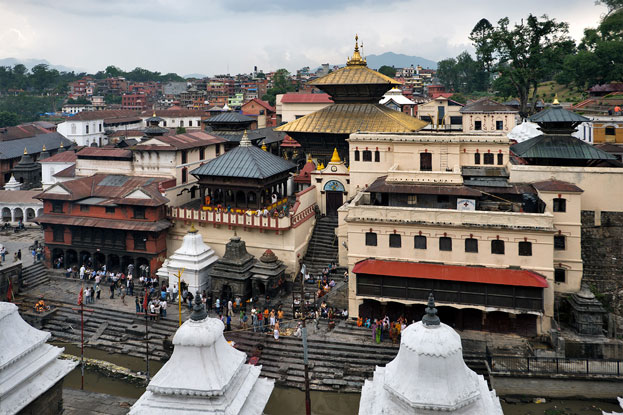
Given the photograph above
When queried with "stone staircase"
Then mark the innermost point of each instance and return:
(322, 248)
(34, 275)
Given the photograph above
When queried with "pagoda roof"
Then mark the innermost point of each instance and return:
(557, 113)
(549, 146)
(228, 117)
(355, 117)
(354, 75)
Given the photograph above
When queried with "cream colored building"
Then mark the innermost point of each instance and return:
(441, 113)
(292, 106)
(488, 115)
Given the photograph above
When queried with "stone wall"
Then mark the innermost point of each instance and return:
(558, 386)
(602, 251)
(48, 403)
(13, 272)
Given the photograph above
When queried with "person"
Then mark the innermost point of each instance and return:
(280, 315)
(378, 334)
(217, 306)
(276, 331)
(137, 304)
(163, 308)
(112, 289)
(19, 254)
(359, 321)
(260, 319)
(254, 321)
(122, 294)
(272, 318)
(190, 298)
(82, 270)
(299, 331)
(87, 295)
(244, 320)
(152, 310)
(157, 309)
(3, 253)
(34, 255)
(98, 291)
(228, 322)
(230, 311)
(15, 259)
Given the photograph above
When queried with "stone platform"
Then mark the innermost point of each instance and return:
(80, 402)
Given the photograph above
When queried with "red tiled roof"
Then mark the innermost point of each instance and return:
(304, 175)
(480, 275)
(289, 142)
(102, 115)
(21, 131)
(18, 196)
(130, 225)
(64, 157)
(68, 172)
(306, 99)
(262, 103)
(187, 140)
(104, 152)
(556, 186)
(611, 87)
(435, 95)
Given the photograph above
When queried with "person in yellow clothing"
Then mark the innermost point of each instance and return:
(280, 315)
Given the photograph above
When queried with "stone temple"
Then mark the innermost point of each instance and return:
(31, 373)
(428, 376)
(205, 375)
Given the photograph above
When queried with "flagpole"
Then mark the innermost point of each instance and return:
(82, 336)
(179, 296)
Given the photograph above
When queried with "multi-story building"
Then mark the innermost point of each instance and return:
(136, 101)
(262, 110)
(292, 106)
(175, 117)
(442, 113)
(488, 115)
(90, 127)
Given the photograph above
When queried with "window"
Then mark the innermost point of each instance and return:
(181, 123)
(110, 209)
(488, 158)
(87, 129)
(202, 153)
(445, 243)
(610, 131)
(100, 127)
(477, 158)
(471, 245)
(477, 125)
(184, 157)
(139, 212)
(58, 234)
(426, 162)
(456, 120)
(500, 159)
(497, 247)
(356, 155)
(218, 149)
(57, 207)
(190, 123)
(140, 241)
(262, 112)
(560, 205)
(499, 125)
(395, 241)
(560, 275)
(412, 200)
(525, 248)
(419, 242)
(184, 175)
(367, 155)
(443, 199)
(377, 156)
(559, 242)
(84, 208)
(370, 239)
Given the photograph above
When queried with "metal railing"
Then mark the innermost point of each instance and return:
(555, 365)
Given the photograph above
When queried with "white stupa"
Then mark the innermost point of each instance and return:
(28, 366)
(428, 376)
(195, 258)
(205, 375)
(12, 184)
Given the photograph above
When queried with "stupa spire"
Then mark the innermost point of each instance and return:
(556, 100)
(336, 157)
(245, 142)
(199, 311)
(431, 318)
(356, 60)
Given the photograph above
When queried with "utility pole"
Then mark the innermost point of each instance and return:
(147, 314)
(304, 336)
(179, 296)
(81, 310)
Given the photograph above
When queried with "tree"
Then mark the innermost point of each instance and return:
(8, 119)
(481, 39)
(281, 84)
(528, 53)
(180, 130)
(388, 71)
(462, 74)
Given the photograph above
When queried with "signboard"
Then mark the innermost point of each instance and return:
(465, 204)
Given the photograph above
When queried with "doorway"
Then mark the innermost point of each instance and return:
(334, 201)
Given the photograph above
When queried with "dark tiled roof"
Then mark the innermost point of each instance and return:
(102, 115)
(556, 186)
(104, 153)
(15, 148)
(548, 146)
(249, 162)
(267, 135)
(68, 172)
(128, 225)
(486, 105)
(187, 140)
(380, 185)
(229, 117)
(556, 113)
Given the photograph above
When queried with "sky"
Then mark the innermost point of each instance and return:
(232, 36)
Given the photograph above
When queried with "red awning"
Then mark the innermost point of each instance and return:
(481, 275)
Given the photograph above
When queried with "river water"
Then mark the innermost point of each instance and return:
(289, 401)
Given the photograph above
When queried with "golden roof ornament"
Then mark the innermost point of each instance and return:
(321, 166)
(25, 151)
(556, 100)
(61, 144)
(336, 157)
(192, 228)
(245, 142)
(356, 60)
(264, 146)
(43, 149)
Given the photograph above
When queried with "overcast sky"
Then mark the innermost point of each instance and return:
(220, 36)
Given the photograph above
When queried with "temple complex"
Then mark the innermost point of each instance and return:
(428, 376)
(231, 275)
(204, 375)
(267, 275)
(356, 91)
(31, 373)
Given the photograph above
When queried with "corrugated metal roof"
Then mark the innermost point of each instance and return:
(248, 162)
(557, 186)
(549, 146)
(481, 275)
(556, 113)
(129, 225)
(15, 148)
(267, 135)
(352, 118)
(229, 118)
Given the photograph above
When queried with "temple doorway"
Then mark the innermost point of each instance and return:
(226, 294)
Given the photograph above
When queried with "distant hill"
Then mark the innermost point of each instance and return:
(398, 60)
(195, 75)
(29, 63)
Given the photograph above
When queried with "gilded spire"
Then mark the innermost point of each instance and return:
(245, 142)
(321, 166)
(336, 157)
(62, 144)
(192, 228)
(25, 151)
(356, 60)
(264, 146)
(556, 100)
(43, 149)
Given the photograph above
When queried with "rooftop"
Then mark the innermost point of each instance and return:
(63, 157)
(191, 139)
(557, 114)
(103, 153)
(549, 146)
(485, 105)
(19, 196)
(102, 115)
(229, 117)
(15, 148)
(293, 98)
(556, 186)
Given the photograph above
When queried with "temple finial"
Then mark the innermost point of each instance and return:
(336, 157)
(245, 142)
(431, 318)
(61, 144)
(25, 151)
(356, 60)
(43, 149)
(192, 228)
(199, 310)
(556, 100)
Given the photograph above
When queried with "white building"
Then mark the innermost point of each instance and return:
(395, 100)
(29, 367)
(292, 106)
(89, 128)
(16, 205)
(428, 376)
(177, 117)
(55, 164)
(205, 375)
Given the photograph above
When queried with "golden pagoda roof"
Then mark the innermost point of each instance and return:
(351, 118)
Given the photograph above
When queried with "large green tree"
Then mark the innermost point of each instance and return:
(462, 74)
(281, 83)
(388, 71)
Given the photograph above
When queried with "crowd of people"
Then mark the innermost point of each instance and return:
(384, 328)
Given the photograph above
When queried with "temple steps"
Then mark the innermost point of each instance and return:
(322, 249)
(34, 275)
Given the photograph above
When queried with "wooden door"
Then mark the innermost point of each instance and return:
(334, 201)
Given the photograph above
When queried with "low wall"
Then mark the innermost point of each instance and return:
(557, 386)
(10, 271)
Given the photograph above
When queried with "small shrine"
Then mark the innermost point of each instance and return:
(428, 376)
(153, 128)
(267, 275)
(12, 184)
(332, 184)
(205, 375)
(27, 172)
(303, 179)
(587, 313)
(31, 373)
(194, 258)
(245, 178)
(231, 275)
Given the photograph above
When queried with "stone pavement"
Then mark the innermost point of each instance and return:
(21, 240)
(80, 402)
